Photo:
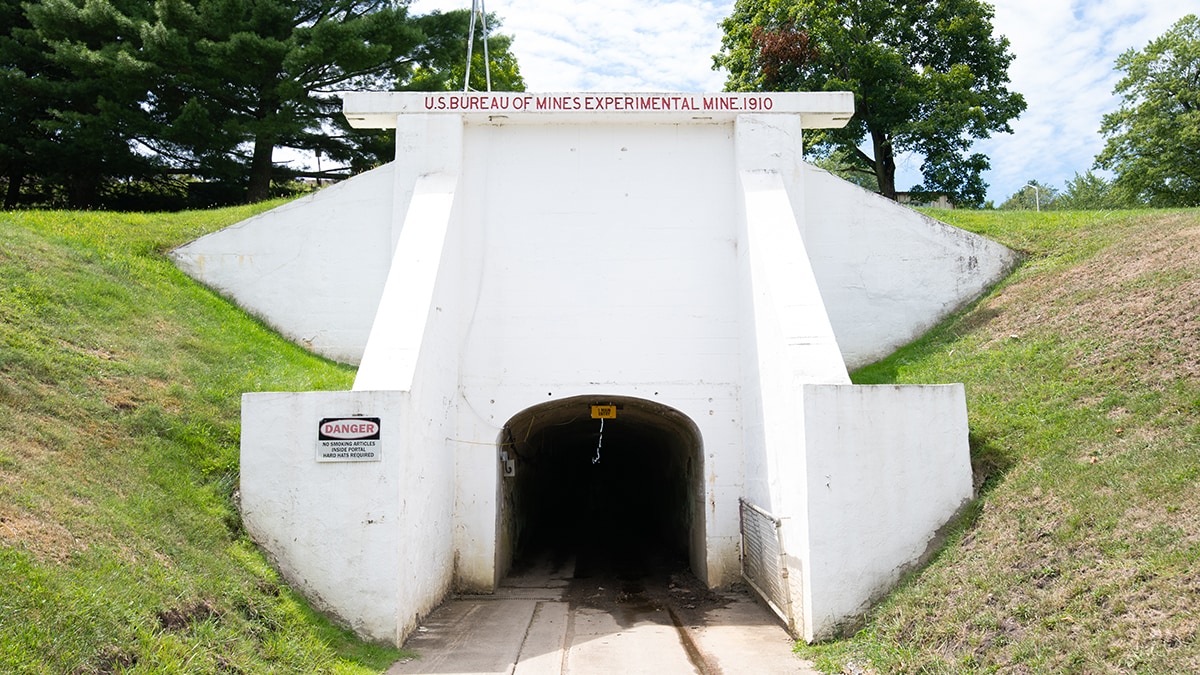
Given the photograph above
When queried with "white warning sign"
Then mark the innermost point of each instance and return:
(349, 439)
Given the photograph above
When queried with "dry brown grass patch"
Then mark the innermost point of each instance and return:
(1135, 304)
(46, 540)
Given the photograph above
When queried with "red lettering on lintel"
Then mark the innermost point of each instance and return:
(502, 103)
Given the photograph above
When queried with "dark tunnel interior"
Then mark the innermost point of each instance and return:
(613, 496)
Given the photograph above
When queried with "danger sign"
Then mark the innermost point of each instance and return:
(349, 439)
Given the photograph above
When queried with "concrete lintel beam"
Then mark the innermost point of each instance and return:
(380, 110)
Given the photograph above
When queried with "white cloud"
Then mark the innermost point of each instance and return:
(1064, 50)
(1064, 67)
(663, 45)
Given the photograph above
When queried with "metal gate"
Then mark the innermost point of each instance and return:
(764, 566)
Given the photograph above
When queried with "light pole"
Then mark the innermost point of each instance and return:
(1037, 198)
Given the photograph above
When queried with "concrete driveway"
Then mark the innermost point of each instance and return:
(545, 623)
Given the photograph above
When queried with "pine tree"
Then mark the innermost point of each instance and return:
(65, 83)
(124, 89)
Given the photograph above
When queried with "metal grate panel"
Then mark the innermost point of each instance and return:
(763, 562)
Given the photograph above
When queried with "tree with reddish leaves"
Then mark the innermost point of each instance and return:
(928, 77)
(782, 52)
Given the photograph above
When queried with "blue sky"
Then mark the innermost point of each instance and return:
(1064, 50)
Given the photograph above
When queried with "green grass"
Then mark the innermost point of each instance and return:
(120, 386)
(1082, 552)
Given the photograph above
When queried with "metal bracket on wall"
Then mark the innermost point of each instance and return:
(508, 465)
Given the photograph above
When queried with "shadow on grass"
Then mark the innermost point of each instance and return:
(989, 462)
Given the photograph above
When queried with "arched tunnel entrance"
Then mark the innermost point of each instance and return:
(615, 490)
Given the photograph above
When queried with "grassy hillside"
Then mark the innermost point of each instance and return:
(120, 384)
(120, 550)
(1082, 373)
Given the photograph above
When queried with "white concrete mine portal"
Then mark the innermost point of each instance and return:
(532, 266)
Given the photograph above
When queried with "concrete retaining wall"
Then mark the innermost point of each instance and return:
(369, 542)
(886, 467)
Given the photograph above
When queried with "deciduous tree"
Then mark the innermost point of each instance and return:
(1088, 192)
(929, 77)
(1153, 143)
(445, 68)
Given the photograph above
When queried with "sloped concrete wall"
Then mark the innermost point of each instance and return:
(315, 269)
(312, 269)
(887, 273)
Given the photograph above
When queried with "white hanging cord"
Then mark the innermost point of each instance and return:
(477, 9)
(599, 442)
